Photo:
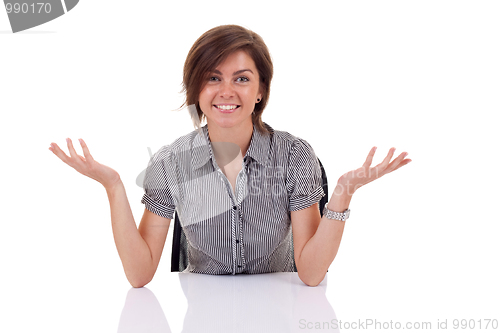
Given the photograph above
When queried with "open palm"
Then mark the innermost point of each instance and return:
(86, 165)
(353, 180)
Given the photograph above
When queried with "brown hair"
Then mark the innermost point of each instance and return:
(211, 49)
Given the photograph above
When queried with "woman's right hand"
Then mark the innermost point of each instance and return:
(87, 165)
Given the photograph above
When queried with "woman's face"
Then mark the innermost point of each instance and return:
(228, 98)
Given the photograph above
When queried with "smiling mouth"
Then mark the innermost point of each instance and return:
(227, 108)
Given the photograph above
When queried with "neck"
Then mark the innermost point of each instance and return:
(240, 135)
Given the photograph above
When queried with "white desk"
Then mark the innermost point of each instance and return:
(275, 302)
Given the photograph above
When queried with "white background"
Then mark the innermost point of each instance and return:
(421, 76)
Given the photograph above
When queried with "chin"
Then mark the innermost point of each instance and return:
(225, 123)
(229, 122)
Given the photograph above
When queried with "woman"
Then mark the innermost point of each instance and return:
(241, 188)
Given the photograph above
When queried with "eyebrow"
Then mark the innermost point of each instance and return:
(235, 73)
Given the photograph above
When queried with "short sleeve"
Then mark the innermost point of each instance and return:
(158, 184)
(304, 181)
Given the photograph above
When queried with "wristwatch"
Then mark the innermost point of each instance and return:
(330, 214)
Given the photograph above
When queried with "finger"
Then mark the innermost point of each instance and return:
(403, 163)
(386, 160)
(394, 164)
(86, 151)
(72, 151)
(59, 153)
(369, 158)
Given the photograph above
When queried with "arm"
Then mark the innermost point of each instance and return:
(139, 249)
(317, 239)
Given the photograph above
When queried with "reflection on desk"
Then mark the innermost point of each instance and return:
(274, 302)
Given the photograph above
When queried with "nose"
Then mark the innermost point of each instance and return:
(226, 89)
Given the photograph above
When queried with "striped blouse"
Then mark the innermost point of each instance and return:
(245, 231)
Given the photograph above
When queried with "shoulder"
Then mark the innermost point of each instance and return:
(290, 142)
(177, 147)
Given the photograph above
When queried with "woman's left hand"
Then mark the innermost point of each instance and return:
(349, 182)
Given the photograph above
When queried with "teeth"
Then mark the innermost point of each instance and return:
(227, 107)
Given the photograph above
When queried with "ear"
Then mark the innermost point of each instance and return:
(259, 98)
(259, 95)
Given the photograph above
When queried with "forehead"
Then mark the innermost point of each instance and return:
(237, 60)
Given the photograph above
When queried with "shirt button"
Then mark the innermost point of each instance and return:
(237, 241)
(234, 207)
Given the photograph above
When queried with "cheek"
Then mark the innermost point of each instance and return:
(207, 95)
(250, 95)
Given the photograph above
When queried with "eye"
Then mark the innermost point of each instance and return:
(242, 79)
(213, 78)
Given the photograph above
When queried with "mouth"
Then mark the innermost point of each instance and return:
(226, 108)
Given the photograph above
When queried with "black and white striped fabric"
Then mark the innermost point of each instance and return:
(245, 231)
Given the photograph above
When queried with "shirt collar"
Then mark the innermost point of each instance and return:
(258, 150)
(260, 146)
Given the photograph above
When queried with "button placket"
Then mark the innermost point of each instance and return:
(224, 179)
(241, 187)
(236, 215)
